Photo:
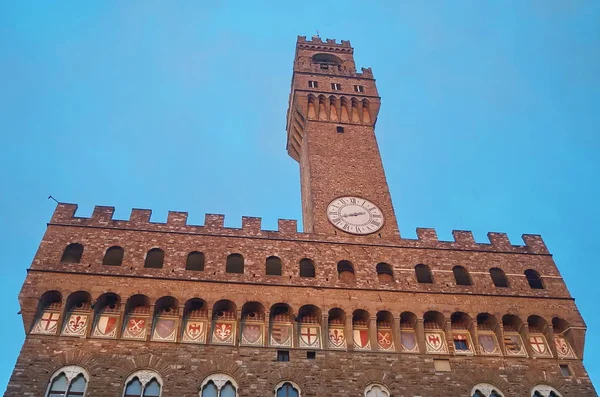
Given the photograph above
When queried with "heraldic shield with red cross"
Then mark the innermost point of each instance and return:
(165, 330)
(361, 339)
(252, 334)
(47, 323)
(76, 324)
(106, 327)
(310, 336)
(135, 328)
(194, 332)
(435, 342)
(337, 338)
(224, 333)
(539, 346)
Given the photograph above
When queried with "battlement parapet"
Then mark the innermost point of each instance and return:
(317, 44)
(341, 71)
(102, 216)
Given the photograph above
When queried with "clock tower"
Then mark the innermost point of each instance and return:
(331, 133)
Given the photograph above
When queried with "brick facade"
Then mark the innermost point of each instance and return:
(364, 297)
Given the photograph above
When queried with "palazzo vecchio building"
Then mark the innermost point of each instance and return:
(133, 308)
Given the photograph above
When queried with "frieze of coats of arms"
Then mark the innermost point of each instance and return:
(282, 332)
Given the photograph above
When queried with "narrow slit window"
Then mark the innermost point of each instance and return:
(313, 84)
(359, 88)
(336, 86)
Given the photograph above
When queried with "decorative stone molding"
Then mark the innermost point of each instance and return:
(486, 389)
(486, 377)
(224, 366)
(145, 362)
(282, 375)
(374, 376)
(545, 391)
(377, 390)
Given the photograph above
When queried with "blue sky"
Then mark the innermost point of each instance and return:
(489, 119)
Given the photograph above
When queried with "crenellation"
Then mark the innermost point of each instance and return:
(140, 216)
(251, 224)
(499, 240)
(287, 226)
(535, 243)
(102, 214)
(464, 238)
(177, 218)
(214, 221)
(427, 235)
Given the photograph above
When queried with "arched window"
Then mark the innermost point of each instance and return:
(72, 254)
(544, 391)
(287, 389)
(195, 261)
(219, 385)
(70, 381)
(235, 264)
(423, 274)
(273, 266)
(498, 277)
(345, 271)
(155, 258)
(143, 383)
(113, 256)
(377, 390)
(384, 273)
(534, 279)
(461, 275)
(307, 268)
(486, 390)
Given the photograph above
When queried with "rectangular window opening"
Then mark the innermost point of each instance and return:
(336, 86)
(313, 84)
(565, 370)
(442, 365)
(340, 130)
(359, 88)
(311, 355)
(283, 355)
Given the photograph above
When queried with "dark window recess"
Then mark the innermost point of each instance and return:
(340, 130)
(336, 86)
(155, 258)
(195, 261)
(534, 279)
(359, 88)
(565, 370)
(311, 355)
(72, 254)
(283, 355)
(423, 274)
(313, 84)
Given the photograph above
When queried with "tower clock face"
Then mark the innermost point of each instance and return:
(355, 215)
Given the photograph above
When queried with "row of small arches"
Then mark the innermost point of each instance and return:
(73, 380)
(340, 109)
(306, 267)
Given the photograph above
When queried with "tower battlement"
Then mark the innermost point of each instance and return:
(102, 217)
(329, 44)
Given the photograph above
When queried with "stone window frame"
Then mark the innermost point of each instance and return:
(544, 390)
(145, 376)
(219, 380)
(486, 389)
(294, 385)
(71, 372)
(370, 387)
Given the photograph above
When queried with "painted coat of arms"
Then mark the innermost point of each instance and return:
(514, 345)
(194, 332)
(361, 339)
(76, 324)
(310, 336)
(563, 349)
(337, 338)
(47, 323)
(223, 333)
(409, 341)
(281, 335)
(165, 330)
(435, 342)
(487, 344)
(539, 346)
(384, 340)
(252, 334)
(135, 328)
(106, 327)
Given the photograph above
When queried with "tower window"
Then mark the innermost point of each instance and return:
(155, 258)
(72, 254)
(313, 84)
(235, 264)
(339, 129)
(359, 88)
(283, 355)
(534, 279)
(565, 370)
(336, 86)
(311, 355)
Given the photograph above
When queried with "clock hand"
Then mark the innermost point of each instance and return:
(353, 214)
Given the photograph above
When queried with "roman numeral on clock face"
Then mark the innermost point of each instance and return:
(355, 215)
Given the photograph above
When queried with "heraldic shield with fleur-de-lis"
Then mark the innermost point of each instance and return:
(337, 339)
(223, 333)
(76, 325)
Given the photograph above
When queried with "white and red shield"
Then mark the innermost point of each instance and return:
(106, 327)
(409, 341)
(135, 328)
(488, 345)
(281, 335)
(165, 330)
(563, 348)
(252, 334)
(76, 325)
(309, 336)
(337, 339)
(435, 342)
(361, 339)
(538, 345)
(47, 323)
(384, 340)
(194, 331)
(223, 333)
